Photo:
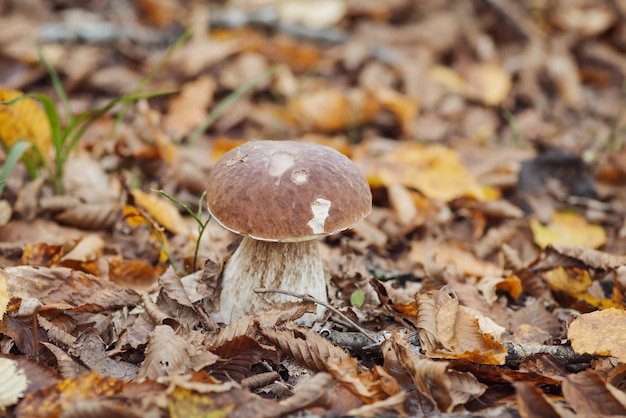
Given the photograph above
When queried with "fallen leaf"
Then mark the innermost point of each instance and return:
(13, 382)
(23, 120)
(163, 211)
(434, 170)
(567, 228)
(589, 395)
(189, 109)
(602, 333)
(449, 253)
(312, 13)
(166, 355)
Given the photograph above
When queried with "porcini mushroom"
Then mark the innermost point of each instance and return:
(281, 196)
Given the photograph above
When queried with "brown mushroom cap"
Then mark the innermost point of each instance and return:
(287, 191)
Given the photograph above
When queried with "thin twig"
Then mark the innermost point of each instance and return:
(308, 298)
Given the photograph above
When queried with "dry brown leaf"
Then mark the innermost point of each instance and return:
(369, 386)
(592, 258)
(189, 109)
(448, 330)
(317, 391)
(132, 274)
(238, 356)
(533, 403)
(167, 354)
(445, 387)
(450, 253)
(65, 286)
(90, 216)
(304, 346)
(325, 109)
(601, 332)
(67, 366)
(90, 349)
(588, 395)
(393, 403)
(88, 249)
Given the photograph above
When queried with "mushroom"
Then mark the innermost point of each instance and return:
(281, 196)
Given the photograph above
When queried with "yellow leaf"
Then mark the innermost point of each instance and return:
(489, 83)
(600, 332)
(23, 120)
(567, 228)
(571, 281)
(187, 403)
(162, 210)
(448, 78)
(434, 170)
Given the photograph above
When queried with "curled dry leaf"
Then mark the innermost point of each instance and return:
(305, 346)
(601, 332)
(55, 333)
(369, 386)
(591, 258)
(444, 387)
(67, 365)
(87, 250)
(448, 330)
(13, 382)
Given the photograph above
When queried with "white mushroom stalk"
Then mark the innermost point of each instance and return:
(281, 196)
(293, 266)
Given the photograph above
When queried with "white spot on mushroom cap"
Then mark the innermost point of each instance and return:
(320, 208)
(300, 177)
(279, 163)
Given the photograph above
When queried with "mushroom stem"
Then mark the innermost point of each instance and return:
(292, 266)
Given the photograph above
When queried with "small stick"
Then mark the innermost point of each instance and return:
(308, 298)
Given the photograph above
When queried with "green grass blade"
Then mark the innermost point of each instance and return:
(85, 120)
(227, 101)
(56, 83)
(13, 156)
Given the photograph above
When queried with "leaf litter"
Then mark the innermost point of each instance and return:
(488, 278)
